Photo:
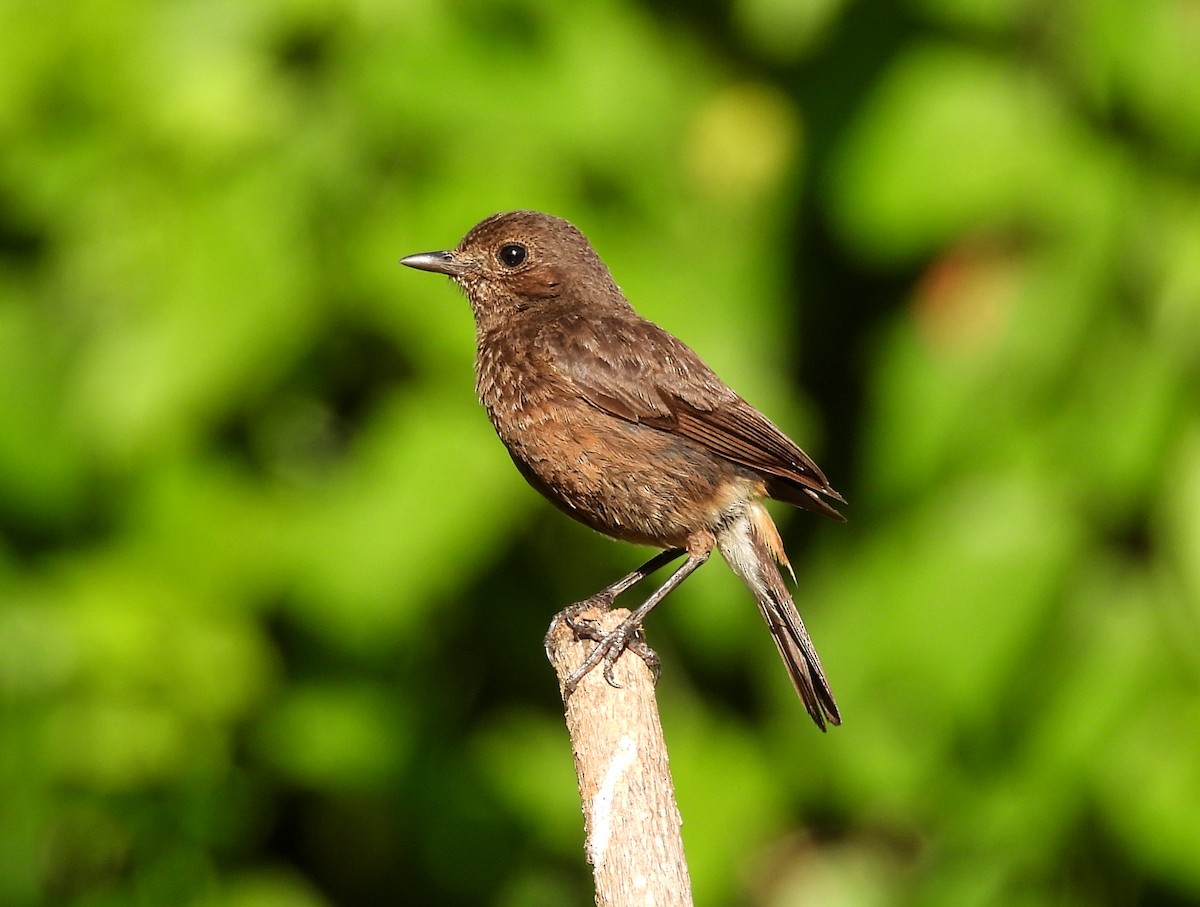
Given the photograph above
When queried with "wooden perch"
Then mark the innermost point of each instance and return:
(631, 821)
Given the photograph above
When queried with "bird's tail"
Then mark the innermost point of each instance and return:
(752, 547)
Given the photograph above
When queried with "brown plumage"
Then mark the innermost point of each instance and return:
(625, 428)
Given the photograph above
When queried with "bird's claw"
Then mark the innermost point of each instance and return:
(609, 647)
(637, 645)
(582, 627)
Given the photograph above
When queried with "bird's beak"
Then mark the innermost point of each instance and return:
(437, 262)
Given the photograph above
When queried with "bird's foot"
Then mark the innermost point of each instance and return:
(609, 647)
(637, 645)
(582, 627)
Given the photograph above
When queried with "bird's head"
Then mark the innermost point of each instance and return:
(520, 260)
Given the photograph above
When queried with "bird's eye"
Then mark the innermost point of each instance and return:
(511, 255)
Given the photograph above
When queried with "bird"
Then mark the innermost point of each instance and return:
(625, 428)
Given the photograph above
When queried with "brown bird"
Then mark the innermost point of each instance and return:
(624, 428)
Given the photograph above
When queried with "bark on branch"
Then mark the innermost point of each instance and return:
(631, 821)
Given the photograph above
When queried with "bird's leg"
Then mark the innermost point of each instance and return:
(603, 600)
(628, 634)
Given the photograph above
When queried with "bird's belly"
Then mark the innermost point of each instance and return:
(627, 480)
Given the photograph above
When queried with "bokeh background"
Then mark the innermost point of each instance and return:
(272, 595)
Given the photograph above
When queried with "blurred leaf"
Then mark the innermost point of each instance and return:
(720, 832)
(1147, 774)
(1141, 59)
(950, 141)
(265, 888)
(336, 737)
(522, 757)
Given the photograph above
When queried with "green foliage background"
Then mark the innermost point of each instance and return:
(272, 596)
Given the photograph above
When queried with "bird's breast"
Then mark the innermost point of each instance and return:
(622, 478)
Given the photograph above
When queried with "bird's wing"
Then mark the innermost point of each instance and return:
(633, 369)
